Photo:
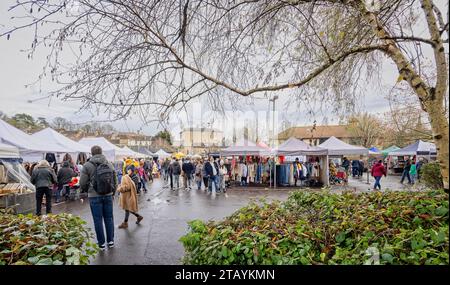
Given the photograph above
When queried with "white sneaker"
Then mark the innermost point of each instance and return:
(110, 244)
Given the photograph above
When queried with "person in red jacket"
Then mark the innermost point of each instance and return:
(377, 172)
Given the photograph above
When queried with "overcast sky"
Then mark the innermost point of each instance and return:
(16, 71)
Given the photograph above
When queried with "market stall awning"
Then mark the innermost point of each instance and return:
(30, 148)
(245, 147)
(293, 147)
(162, 154)
(417, 148)
(49, 135)
(337, 147)
(8, 151)
(108, 149)
(389, 149)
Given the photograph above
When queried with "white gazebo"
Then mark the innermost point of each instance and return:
(336, 147)
(108, 148)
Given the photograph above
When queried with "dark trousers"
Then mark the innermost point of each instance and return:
(205, 181)
(40, 192)
(127, 215)
(102, 212)
(405, 174)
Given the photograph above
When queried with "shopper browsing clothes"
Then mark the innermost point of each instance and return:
(377, 172)
(99, 179)
(128, 196)
(43, 178)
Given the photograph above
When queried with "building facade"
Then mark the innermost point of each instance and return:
(200, 140)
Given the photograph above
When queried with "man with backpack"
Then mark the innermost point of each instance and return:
(99, 179)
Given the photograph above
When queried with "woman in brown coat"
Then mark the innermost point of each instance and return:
(128, 196)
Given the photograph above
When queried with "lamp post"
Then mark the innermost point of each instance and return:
(273, 141)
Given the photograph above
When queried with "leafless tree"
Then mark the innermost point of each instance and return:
(131, 54)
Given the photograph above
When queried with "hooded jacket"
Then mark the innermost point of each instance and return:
(43, 177)
(65, 174)
(87, 175)
(378, 170)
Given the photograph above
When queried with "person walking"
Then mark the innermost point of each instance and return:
(297, 171)
(143, 177)
(43, 178)
(360, 168)
(378, 170)
(198, 174)
(175, 171)
(188, 170)
(65, 175)
(212, 170)
(223, 172)
(355, 168)
(413, 172)
(405, 173)
(244, 173)
(99, 179)
(128, 196)
(419, 165)
(204, 175)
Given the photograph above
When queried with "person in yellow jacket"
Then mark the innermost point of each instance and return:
(128, 196)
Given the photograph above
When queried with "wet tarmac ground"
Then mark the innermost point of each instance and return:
(166, 214)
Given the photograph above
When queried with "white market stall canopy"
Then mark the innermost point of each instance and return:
(245, 147)
(337, 147)
(30, 148)
(72, 147)
(8, 151)
(108, 149)
(417, 148)
(295, 147)
(162, 154)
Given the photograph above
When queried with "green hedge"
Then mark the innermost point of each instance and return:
(325, 228)
(430, 175)
(47, 240)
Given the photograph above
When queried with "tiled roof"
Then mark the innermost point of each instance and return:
(339, 131)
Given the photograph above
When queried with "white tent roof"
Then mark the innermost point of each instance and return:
(109, 149)
(337, 147)
(293, 147)
(69, 145)
(25, 142)
(8, 151)
(162, 154)
(245, 147)
(417, 148)
(135, 153)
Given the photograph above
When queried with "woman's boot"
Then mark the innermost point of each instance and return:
(124, 225)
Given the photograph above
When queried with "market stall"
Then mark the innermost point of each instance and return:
(16, 190)
(254, 156)
(313, 162)
(338, 149)
(31, 149)
(73, 148)
(108, 149)
(161, 154)
(397, 158)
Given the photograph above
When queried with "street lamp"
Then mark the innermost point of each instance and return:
(275, 97)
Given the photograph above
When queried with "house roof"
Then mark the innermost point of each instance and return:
(201, 130)
(339, 131)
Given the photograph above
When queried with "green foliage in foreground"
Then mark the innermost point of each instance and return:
(47, 240)
(325, 228)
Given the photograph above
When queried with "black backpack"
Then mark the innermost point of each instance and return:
(104, 179)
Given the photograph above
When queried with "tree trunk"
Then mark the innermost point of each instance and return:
(431, 99)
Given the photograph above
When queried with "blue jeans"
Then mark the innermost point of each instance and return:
(413, 178)
(377, 182)
(405, 174)
(215, 179)
(102, 211)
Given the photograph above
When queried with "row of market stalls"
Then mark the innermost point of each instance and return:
(317, 157)
(49, 143)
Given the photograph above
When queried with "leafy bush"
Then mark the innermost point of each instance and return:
(47, 240)
(325, 228)
(430, 175)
